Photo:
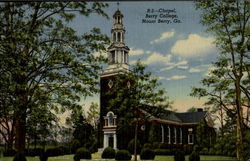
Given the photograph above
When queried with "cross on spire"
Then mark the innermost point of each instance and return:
(118, 5)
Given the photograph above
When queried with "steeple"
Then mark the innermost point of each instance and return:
(118, 58)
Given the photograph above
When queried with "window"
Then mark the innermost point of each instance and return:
(110, 118)
(113, 57)
(119, 37)
(113, 36)
(175, 135)
(190, 138)
(180, 136)
(125, 57)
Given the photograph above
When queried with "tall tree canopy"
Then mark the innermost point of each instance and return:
(136, 96)
(228, 84)
(43, 60)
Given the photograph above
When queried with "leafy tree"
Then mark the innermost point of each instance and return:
(93, 114)
(192, 109)
(43, 60)
(83, 131)
(140, 92)
(229, 22)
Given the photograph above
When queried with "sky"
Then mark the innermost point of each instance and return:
(178, 51)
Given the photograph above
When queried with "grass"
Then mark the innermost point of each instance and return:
(98, 156)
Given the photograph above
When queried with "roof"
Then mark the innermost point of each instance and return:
(118, 13)
(179, 118)
(191, 117)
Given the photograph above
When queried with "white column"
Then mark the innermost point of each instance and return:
(104, 141)
(116, 36)
(115, 142)
(162, 134)
(121, 37)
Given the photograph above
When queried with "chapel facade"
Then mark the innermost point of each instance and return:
(172, 128)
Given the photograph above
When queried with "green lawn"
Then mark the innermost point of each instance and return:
(97, 156)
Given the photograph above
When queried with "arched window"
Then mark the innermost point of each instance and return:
(110, 119)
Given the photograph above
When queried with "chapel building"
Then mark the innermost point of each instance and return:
(172, 128)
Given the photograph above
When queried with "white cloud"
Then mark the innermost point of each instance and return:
(180, 65)
(194, 45)
(176, 77)
(164, 35)
(157, 58)
(135, 52)
(194, 70)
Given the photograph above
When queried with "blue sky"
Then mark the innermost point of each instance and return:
(178, 54)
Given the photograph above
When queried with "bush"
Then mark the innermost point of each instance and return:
(156, 145)
(82, 153)
(75, 144)
(43, 156)
(131, 146)
(34, 152)
(108, 153)
(19, 157)
(9, 152)
(123, 155)
(147, 154)
(194, 156)
(51, 152)
(147, 145)
(162, 152)
(179, 155)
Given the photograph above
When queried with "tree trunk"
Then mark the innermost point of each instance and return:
(239, 137)
(20, 133)
(135, 148)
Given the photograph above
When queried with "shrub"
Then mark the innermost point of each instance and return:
(43, 156)
(147, 145)
(51, 152)
(156, 145)
(179, 155)
(19, 157)
(194, 156)
(34, 152)
(75, 144)
(123, 155)
(108, 153)
(147, 154)
(131, 146)
(162, 152)
(9, 152)
(82, 153)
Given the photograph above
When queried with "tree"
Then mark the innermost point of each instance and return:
(140, 92)
(83, 131)
(93, 114)
(229, 22)
(43, 60)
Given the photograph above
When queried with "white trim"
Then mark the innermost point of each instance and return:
(162, 134)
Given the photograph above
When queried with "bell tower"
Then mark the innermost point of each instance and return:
(118, 63)
(117, 51)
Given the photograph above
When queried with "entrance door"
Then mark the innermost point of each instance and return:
(111, 141)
